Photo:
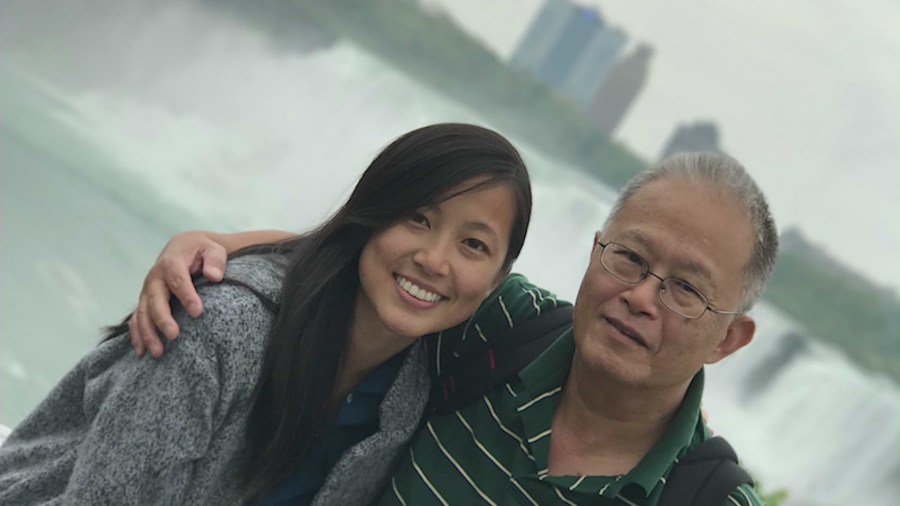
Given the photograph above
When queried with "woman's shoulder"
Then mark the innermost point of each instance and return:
(264, 273)
(237, 313)
(250, 283)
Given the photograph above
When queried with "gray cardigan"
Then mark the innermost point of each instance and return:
(122, 430)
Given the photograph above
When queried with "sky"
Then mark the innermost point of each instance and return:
(805, 94)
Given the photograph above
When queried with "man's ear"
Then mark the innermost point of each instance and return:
(738, 335)
(598, 236)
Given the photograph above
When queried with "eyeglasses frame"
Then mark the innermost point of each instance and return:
(708, 306)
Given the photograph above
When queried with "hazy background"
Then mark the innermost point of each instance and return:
(123, 122)
(805, 94)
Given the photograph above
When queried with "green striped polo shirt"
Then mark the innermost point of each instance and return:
(495, 450)
(513, 302)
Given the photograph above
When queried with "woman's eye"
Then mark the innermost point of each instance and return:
(475, 244)
(419, 219)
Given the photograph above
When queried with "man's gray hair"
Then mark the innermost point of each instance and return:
(726, 174)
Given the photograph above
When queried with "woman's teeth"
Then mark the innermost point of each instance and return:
(415, 291)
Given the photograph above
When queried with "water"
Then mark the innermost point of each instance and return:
(198, 121)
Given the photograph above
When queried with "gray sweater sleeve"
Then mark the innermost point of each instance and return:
(123, 430)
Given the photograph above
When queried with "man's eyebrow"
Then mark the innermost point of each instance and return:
(639, 237)
(689, 265)
(697, 269)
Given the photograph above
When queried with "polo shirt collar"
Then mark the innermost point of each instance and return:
(550, 371)
(674, 441)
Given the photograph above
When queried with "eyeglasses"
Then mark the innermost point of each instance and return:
(676, 294)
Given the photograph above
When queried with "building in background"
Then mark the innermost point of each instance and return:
(697, 136)
(570, 48)
(593, 64)
(620, 88)
(541, 37)
(581, 25)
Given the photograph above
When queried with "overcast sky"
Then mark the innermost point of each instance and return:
(805, 94)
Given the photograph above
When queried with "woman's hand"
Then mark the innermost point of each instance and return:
(185, 254)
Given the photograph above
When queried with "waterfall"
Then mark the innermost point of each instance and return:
(200, 120)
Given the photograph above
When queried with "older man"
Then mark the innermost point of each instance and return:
(604, 414)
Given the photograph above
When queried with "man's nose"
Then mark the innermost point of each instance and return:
(643, 297)
(433, 257)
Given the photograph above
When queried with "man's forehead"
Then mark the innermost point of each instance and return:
(691, 227)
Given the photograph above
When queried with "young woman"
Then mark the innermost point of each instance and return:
(305, 375)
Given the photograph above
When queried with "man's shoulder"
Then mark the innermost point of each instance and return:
(514, 301)
(516, 286)
(709, 471)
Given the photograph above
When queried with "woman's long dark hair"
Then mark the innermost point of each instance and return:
(311, 331)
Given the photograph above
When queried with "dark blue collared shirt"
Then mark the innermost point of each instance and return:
(357, 420)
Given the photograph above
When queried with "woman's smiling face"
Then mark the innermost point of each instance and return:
(432, 270)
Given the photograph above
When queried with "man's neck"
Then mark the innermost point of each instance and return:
(604, 428)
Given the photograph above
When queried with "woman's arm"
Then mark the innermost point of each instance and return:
(185, 254)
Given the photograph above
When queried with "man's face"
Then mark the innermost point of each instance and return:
(622, 331)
